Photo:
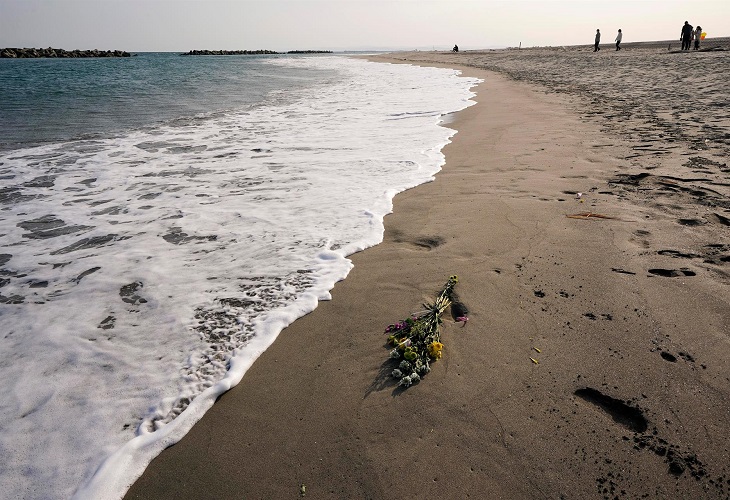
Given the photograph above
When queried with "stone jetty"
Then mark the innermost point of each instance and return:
(249, 52)
(228, 52)
(16, 53)
(309, 52)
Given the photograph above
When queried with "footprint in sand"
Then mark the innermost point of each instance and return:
(672, 273)
(628, 416)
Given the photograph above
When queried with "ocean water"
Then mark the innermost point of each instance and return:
(162, 219)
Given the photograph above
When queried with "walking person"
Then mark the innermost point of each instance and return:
(698, 37)
(596, 48)
(686, 36)
(618, 40)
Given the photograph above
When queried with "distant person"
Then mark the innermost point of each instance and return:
(596, 48)
(686, 36)
(618, 40)
(698, 37)
(456, 48)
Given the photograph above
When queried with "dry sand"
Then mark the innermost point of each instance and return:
(627, 317)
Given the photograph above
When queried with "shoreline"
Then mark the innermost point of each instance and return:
(576, 294)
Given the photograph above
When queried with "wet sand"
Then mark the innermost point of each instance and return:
(585, 207)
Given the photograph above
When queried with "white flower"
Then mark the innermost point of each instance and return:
(394, 354)
(406, 381)
(415, 378)
(405, 366)
(397, 373)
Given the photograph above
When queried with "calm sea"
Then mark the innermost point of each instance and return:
(163, 218)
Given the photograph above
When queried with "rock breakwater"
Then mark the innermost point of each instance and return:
(16, 53)
(249, 52)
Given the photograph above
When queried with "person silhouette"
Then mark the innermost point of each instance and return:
(618, 40)
(596, 48)
(455, 49)
(698, 37)
(686, 36)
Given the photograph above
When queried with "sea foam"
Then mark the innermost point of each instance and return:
(143, 274)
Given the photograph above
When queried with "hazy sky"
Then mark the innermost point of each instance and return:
(181, 25)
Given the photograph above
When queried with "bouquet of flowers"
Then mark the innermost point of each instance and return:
(416, 341)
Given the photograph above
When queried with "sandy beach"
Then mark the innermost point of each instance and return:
(585, 207)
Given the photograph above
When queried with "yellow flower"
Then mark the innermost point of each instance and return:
(434, 350)
(404, 344)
